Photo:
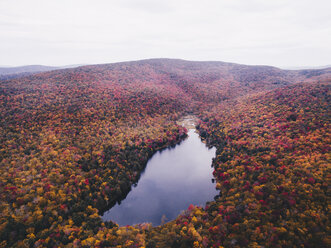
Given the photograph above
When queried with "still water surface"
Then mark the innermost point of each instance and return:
(173, 179)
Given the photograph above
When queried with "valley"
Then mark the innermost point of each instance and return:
(74, 141)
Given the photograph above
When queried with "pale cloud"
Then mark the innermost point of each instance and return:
(274, 32)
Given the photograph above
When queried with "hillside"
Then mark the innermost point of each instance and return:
(73, 141)
(211, 81)
(272, 167)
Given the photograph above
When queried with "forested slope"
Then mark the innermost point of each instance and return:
(73, 142)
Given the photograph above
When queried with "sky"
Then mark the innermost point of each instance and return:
(282, 33)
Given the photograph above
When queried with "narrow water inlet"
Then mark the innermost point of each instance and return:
(173, 179)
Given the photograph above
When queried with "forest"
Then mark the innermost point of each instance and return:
(74, 141)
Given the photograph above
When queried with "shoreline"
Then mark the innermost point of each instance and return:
(188, 121)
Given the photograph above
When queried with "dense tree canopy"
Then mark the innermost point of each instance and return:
(74, 141)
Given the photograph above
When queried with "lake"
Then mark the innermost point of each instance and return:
(173, 179)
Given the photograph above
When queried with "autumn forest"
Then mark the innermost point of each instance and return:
(74, 141)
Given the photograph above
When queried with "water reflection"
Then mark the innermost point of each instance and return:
(173, 179)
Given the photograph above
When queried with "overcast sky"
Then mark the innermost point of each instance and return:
(283, 33)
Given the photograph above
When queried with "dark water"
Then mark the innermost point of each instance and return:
(174, 178)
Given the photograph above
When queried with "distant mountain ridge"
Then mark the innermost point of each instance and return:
(26, 69)
(5, 70)
(306, 67)
(8, 72)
